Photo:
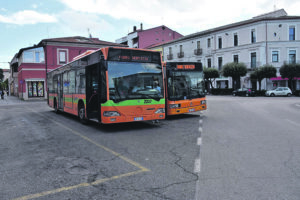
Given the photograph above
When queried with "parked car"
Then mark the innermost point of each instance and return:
(280, 91)
(244, 92)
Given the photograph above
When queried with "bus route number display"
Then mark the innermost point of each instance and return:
(187, 67)
(134, 58)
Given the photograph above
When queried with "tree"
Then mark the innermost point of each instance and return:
(236, 71)
(290, 71)
(1, 75)
(266, 71)
(210, 74)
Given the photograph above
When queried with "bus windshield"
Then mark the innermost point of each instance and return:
(185, 85)
(131, 80)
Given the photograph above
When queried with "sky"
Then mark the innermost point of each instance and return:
(24, 23)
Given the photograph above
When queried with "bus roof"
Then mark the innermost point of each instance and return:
(104, 50)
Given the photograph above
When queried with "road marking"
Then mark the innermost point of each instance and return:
(96, 182)
(199, 141)
(197, 166)
(292, 122)
(45, 193)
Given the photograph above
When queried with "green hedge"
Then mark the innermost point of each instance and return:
(296, 93)
(228, 91)
(260, 93)
(221, 91)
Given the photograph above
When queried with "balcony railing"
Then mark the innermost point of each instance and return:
(198, 51)
(180, 54)
(170, 56)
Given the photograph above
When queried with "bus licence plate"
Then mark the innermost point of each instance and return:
(192, 110)
(138, 118)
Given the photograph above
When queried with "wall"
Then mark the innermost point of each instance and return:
(156, 35)
(262, 47)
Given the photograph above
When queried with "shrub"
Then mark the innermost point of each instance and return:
(221, 91)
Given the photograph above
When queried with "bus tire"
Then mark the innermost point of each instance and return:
(81, 114)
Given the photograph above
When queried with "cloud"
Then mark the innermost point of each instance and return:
(27, 17)
(78, 23)
(177, 14)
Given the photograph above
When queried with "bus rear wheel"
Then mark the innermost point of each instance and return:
(81, 114)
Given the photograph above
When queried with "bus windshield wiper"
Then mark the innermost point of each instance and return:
(157, 98)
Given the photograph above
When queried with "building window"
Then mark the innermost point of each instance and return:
(253, 60)
(170, 50)
(236, 58)
(292, 33)
(235, 38)
(220, 63)
(220, 42)
(209, 62)
(62, 56)
(253, 36)
(34, 56)
(35, 88)
(292, 56)
(198, 44)
(180, 48)
(275, 56)
(208, 43)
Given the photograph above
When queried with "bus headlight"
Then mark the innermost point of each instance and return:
(174, 106)
(203, 102)
(111, 113)
(160, 110)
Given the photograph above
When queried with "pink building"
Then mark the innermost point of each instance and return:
(33, 63)
(140, 38)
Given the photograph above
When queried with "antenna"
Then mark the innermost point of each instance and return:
(90, 35)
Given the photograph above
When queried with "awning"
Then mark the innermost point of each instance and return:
(34, 79)
(282, 79)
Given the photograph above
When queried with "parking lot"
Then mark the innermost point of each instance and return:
(249, 149)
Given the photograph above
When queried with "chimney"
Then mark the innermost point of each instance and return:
(141, 26)
(134, 29)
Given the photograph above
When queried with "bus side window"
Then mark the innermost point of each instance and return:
(65, 83)
(72, 82)
(80, 82)
(55, 84)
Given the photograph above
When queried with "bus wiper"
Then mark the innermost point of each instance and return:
(119, 98)
(157, 98)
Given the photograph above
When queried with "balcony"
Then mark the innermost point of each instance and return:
(180, 54)
(198, 52)
(170, 56)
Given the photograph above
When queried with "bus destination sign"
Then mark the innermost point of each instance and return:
(134, 58)
(186, 67)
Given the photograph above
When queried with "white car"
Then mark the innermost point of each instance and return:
(280, 91)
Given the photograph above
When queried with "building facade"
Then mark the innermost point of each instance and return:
(272, 38)
(140, 38)
(30, 65)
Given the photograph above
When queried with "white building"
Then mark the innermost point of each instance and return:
(272, 38)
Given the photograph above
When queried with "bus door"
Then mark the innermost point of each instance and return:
(60, 91)
(92, 92)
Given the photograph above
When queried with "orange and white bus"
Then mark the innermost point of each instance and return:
(185, 91)
(110, 85)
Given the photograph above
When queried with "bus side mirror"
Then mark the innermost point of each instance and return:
(104, 65)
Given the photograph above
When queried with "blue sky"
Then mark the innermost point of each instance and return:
(24, 23)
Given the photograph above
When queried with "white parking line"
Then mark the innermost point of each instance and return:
(199, 141)
(197, 166)
(292, 122)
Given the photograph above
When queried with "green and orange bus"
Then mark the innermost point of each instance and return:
(185, 91)
(110, 85)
